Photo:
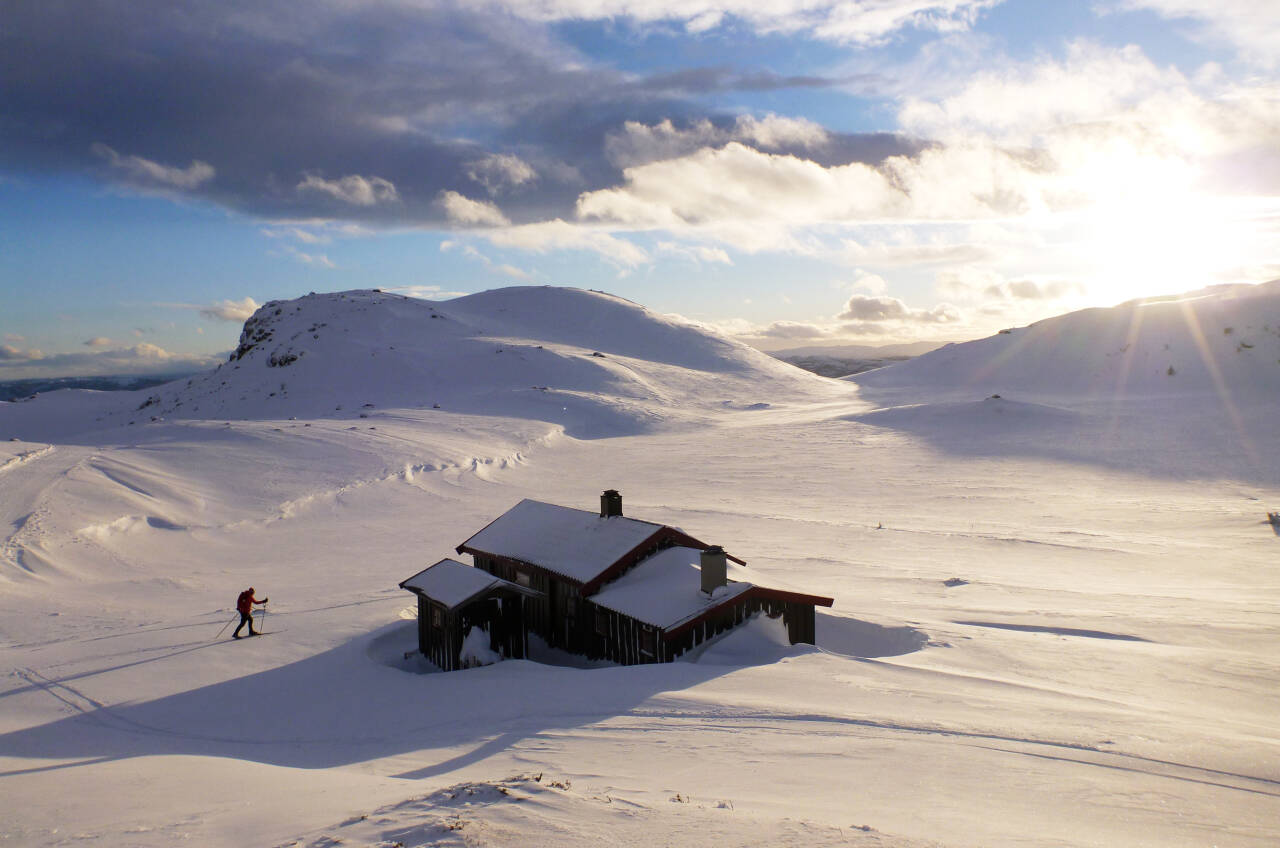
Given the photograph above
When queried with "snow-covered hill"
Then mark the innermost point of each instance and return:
(1222, 340)
(1023, 650)
(597, 364)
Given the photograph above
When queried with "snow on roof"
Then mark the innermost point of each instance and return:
(665, 589)
(452, 583)
(576, 543)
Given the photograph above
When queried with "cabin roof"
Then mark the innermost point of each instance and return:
(665, 589)
(575, 543)
(453, 583)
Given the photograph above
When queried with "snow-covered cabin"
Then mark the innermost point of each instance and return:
(456, 601)
(618, 588)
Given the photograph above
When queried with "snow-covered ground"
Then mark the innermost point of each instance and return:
(1055, 622)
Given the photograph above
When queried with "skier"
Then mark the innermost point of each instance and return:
(244, 605)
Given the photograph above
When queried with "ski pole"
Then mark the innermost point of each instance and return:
(262, 624)
(224, 628)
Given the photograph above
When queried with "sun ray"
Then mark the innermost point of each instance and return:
(1219, 382)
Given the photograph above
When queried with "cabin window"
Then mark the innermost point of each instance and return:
(647, 642)
(602, 623)
(437, 618)
(522, 578)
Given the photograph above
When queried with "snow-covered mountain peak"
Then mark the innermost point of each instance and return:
(595, 363)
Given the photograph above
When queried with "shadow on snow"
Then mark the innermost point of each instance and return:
(355, 703)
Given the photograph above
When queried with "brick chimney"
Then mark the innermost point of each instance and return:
(714, 569)
(610, 504)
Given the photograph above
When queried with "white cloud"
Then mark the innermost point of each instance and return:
(870, 309)
(696, 252)
(148, 173)
(10, 353)
(1109, 122)
(304, 236)
(773, 132)
(98, 341)
(639, 144)
(500, 171)
(870, 283)
(467, 212)
(793, 330)
(424, 292)
(561, 235)
(737, 185)
(353, 189)
(1034, 289)
(236, 311)
(318, 259)
(843, 21)
(1014, 101)
(883, 254)
(1252, 26)
(511, 271)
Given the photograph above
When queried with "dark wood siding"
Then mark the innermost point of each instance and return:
(501, 614)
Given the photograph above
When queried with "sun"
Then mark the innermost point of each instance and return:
(1150, 232)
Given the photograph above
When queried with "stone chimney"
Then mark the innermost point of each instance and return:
(610, 504)
(714, 569)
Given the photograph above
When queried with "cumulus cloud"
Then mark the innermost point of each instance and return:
(739, 184)
(471, 213)
(793, 330)
(989, 288)
(500, 171)
(10, 353)
(257, 93)
(637, 143)
(353, 189)
(237, 311)
(870, 309)
(1033, 290)
(145, 172)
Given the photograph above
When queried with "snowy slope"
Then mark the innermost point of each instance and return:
(1040, 637)
(1218, 340)
(1183, 386)
(596, 364)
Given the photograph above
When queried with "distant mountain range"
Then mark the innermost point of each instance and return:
(17, 389)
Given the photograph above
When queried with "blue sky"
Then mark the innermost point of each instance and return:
(794, 172)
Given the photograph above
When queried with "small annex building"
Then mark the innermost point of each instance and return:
(601, 585)
(454, 598)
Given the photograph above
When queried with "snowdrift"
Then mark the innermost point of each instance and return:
(596, 364)
(1220, 340)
